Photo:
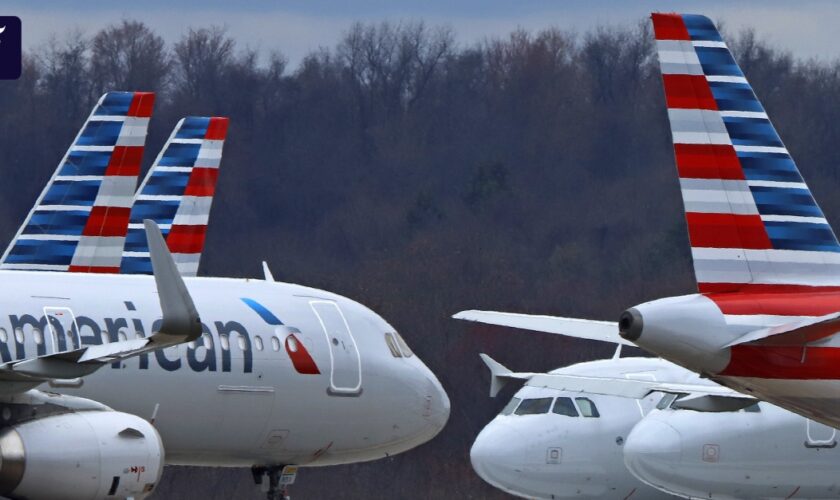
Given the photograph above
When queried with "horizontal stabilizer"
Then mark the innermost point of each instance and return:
(796, 333)
(605, 331)
(500, 375)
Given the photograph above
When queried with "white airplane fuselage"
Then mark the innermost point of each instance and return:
(322, 388)
(554, 456)
(771, 454)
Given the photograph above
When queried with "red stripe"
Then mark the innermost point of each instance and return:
(125, 161)
(217, 129)
(708, 161)
(785, 301)
(727, 231)
(777, 362)
(202, 182)
(669, 27)
(94, 269)
(142, 104)
(186, 239)
(107, 221)
(688, 92)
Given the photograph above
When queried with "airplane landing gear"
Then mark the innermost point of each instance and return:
(275, 480)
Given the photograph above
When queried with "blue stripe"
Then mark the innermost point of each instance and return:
(98, 133)
(717, 61)
(42, 252)
(785, 201)
(162, 212)
(85, 163)
(180, 155)
(135, 240)
(752, 132)
(802, 236)
(701, 28)
(167, 183)
(194, 127)
(769, 167)
(264, 313)
(115, 103)
(731, 96)
(135, 265)
(72, 193)
(51, 222)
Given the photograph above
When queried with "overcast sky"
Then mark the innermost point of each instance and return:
(807, 28)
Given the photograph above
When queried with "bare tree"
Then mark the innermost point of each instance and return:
(129, 56)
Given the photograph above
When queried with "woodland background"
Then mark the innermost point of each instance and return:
(530, 173)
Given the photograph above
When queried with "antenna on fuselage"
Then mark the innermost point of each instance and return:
(267, 272)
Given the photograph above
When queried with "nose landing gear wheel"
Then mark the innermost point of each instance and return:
(275, 480)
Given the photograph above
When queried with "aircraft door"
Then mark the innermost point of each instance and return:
(345, 362)
(819, 435)
(63, 333)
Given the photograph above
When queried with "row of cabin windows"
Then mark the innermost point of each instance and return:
(206, 339)
(560, 406)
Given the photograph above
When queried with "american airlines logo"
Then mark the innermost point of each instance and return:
(10, 47)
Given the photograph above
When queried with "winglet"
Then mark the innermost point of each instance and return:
(267, 272)
(181, 322)
(499, 375)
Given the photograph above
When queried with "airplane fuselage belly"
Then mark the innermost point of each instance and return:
(223, 400)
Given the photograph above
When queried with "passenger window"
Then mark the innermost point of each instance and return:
(19, 335)
(225, 342)
(258, 342)
(512, 404)
(105, 338)
(139, 335)
(275, 343)
(39, 336)
(392, 345)
(534, 406)
(753, 408)
(564, 406)
(587, 407)
(243, 345)
(122, 335)
(207, 340)
(4, 337)
(403, 346)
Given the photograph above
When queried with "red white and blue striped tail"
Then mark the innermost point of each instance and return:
(177, 194)
(752, 220)
(80, 220)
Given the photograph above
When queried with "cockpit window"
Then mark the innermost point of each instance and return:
(753, 408)
(512, 404)
(403, 346)
(564, 406)
(392, 345)
(666, 401)
(534, 406)
(587, 407)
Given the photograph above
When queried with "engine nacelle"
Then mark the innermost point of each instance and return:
(83, 455)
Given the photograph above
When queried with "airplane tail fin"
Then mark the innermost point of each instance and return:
(177, 194)
(79, 221)
(752, 220)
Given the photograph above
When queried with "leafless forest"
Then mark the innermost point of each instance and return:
(528, 173)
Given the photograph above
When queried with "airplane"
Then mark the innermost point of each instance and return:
(121, 374)
(766, 261)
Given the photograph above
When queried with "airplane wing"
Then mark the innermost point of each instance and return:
(701, 397)
(605, 331)
(794, 333)
(180, 323)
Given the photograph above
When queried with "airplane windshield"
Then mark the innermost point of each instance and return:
(534, 406)
(508, 409)
(564, 406)
(587, 407)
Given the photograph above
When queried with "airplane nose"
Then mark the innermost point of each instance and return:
(490, 452)
(652, 450)
(630, 324)
(437, 403)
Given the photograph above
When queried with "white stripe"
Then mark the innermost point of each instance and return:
(761, 320)
(778, 184)
(793, 218)
(761, 149)
(135, 254)
(92, 148)
(187, 141)
(107, 118)
(49, 237)
(700, 138)
(772, 255)
(158, 197)
(173, 169)
(709, 43)
(744, 114)
(726, 79)
(35, 267)
(79, 177)
(63, 208)
(142, 227)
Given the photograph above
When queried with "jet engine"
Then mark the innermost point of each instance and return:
(83, 455)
